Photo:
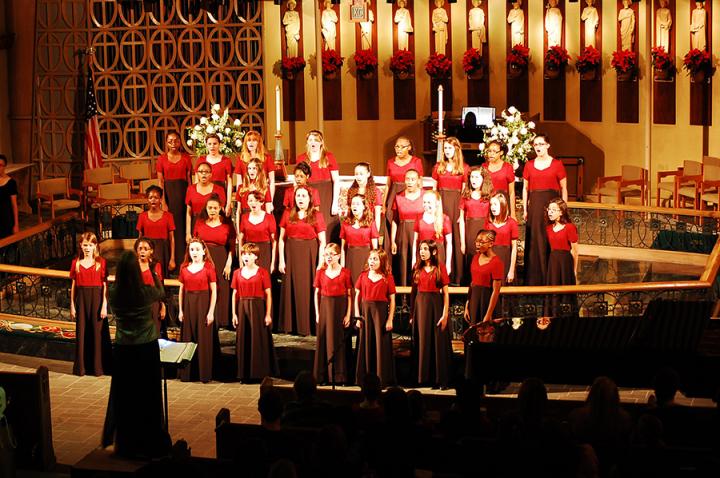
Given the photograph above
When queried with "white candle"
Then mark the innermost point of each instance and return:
(440, 109)
(277, 109)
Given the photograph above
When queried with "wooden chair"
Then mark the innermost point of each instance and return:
(631, 184)
(686, 184)
(134, 173)
(665, 191)
(47, 190)
(92, 179)
(709, 188)
(146, 183)
(115, 191)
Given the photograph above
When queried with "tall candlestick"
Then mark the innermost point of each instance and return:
(277, 109)
(440, 109)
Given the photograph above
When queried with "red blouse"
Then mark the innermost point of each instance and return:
(474, 208)
(449, 180)
(159, 229)
(197, 201)
(427, 281)
(289, 197)
(170, 171)
(220, 170)
(301, 229)
(505, 234)
(548, 178)
(242, 198)
(408, 209)
(502, 178)
(89, 277)
(317, 173)
(427, 231)
(483, 275)
(335, 287)
(358, 237)
(379, 291)
(268, 165)
(562, 239)
(147, 277)
(252, 287)
(199, 280)
(222, 235)
(397, 173)
(262, 232)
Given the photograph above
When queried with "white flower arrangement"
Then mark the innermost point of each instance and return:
(228, 130)
(514, 132)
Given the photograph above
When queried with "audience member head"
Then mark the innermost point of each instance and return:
(395, 404)
(416, 405)
(305, 386)
(603, 399)
(371, 387)
(283, 468)
(650, 431)
(270, 406)
(532, 399)
(666, 385)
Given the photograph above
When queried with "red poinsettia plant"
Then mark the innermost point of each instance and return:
(438, 66)
(661, 60)
(697, 60)
(472, 61)
(365, 61)
(624, 61)
(519, 56)
(331, 62)
(402, 61)
(588, 60)
(292, 64)
(556, 57)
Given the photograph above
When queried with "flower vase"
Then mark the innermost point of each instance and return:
(367, 74)
(515, 71)
(289, 75)
(625, 75)
(662, 74)
(552, 73)
(588, 75)
(698, 76)
(402, 75)
(476, 74)
(331, 75)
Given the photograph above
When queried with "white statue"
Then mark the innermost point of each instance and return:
(553, 24)
(329, 21)
(626, 17)
(366, 30)
(591, 18)
(439, 22)
(663, 24)
(697, 27)
(516, 19)
(291, 20)
(404, 25)
(476, 21)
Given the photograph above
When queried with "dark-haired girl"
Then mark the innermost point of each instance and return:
(301, 174)
(197, 195)
(408, 206)
(364, 185)
(159, 226)
(506, 233)
(501, 172)
(474, 205)
(259, 227)
(562, 263)
(150, 269)
(358, 235)
(221, 166)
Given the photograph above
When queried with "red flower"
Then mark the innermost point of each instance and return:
(292, 64)
(331, 61)
(472, 61)
(660, 58)
(402, 61)
(438, 66)
(519, 56)
(365, 61)
(624, 61)
(696, 60)
(555, 57)
(588, 60)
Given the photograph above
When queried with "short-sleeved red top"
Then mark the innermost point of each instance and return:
(397, 173)
(474, 208)
(268, 165)
(375, 291)
(242, 198)
(91, 276)
(255, 286)
(548, 178)
(501, 178)
(197, 201)
(562, 239)
(222, 235)
(449, 180)
(159, 229)
(427, 281)
(427, 231)
(199, 280)
(220, 170)
(483, 275)
(147, 277)
(506, 233)
(289, 197)
(407, 209)
(333, 287)
(171, 171)
(301, 229)
(319, 174)
(262, 232)
(358, 237)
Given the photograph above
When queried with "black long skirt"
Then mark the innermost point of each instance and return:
(393, 191)
(297, 308)
(433, 349)
(472, 227)
(356, 260)
(264, 255)
(195, 329)
(504, 253)
(375, 354)
(222, 306)
(331, 344)
(161, 253)
(478, 302)
(537, 248)
(561, 271)
(93, 349)
(134, 420)
(403, 258)
(175, 190)
(254, 343)
(451, 207)
(332, 223)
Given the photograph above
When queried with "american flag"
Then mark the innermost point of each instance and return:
(93, 151)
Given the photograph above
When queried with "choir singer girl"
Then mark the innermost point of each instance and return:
(259, 227)
(359, 235)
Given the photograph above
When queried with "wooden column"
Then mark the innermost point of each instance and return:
(366, 90)
(554, 88)
(332, 87)
(446, 82)
(478, 89)
(591, 90)
(628, 97)
(293, 90)
(404, 89)
(701, 92)
(517, 88)
(664, 90)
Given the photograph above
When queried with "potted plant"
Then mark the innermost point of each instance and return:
(438, 66)
(473, 64)
(332, 62)
(291, 66)
(588, 63)
(698, 64)
(662, 64)
(556, 57)
(625, 64)
(402, 64)
(365, 63)
(517, 60)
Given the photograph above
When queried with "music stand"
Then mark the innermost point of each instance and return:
(173, 356)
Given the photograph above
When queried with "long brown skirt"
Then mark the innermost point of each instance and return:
(356, 260)
(478, 302)
(161, 254)
(504, 253)
(195, 329)
(472, 227)
(332, 223)
(175, 190)
(395, 188)
(537, 248)
(432, 344)
(222, 306)
(403, 258)
(561, 271)
(93, 349)
(254, 342)
(451, 207)
(297, 309)
(264, 255)
(331, 342)
(375, 354)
